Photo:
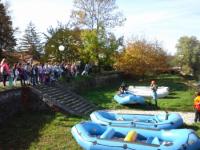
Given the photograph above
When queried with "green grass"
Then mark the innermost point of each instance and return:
(103, 98)
(39, 131)
(180, 98)
(51, 131)
(181, 95)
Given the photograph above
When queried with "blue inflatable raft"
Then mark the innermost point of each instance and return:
(93, 136)
(129, 98)
(160, 121)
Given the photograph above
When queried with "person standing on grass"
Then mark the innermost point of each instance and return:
(197, 107)
(15, 73)
(21, 74)
(5, 70)
(154, 88)
(11, 77)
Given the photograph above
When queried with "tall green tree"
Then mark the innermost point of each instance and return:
(90, 50)
(108, 44)
(7, 39)
(188, 54)
(99, 47)
(66, 37)
(31, 41)
(94, 14)
(95, 17)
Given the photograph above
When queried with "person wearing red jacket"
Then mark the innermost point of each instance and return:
(197, 107)
(5, 70)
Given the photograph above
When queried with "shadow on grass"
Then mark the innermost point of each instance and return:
(23, 129)
(170, 97)
(194, 126)
(146, 106)
(68, 121)
(101, 97)
(177, 86)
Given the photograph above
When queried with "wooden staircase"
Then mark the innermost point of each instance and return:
(64, 100)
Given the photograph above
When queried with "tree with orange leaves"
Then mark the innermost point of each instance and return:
(141, 58)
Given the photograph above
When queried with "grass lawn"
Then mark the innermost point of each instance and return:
(39, 131)
(180, 98)
(51, 131)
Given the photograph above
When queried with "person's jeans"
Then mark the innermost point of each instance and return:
(33, 80)
(197, 116)
(4, 79)
(154, 96)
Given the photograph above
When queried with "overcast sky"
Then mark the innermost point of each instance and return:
(162, 20)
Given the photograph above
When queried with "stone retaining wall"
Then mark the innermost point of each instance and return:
(94, 82)
(16, 100)
(10, 103)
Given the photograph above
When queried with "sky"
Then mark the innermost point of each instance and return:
(162, 20)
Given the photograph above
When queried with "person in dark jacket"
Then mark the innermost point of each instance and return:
(123, 88)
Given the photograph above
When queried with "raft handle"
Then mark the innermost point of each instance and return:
(125, 146)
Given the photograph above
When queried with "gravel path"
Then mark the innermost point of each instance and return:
(188, 117)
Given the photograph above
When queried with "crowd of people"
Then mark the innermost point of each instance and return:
(33, 74)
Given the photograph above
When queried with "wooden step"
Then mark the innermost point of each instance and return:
(65, 100)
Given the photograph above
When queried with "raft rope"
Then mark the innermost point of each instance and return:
(139, 123)
(124, 146)
(95, 142)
